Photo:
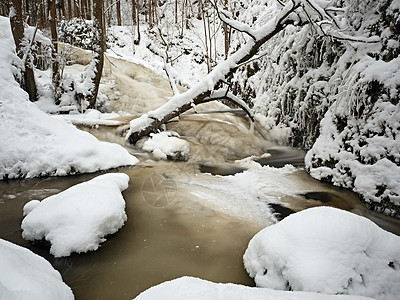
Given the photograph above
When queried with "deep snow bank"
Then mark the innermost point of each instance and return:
(25, 275)
(36, 144)
(190, 288)
(78, 219)
(308, 76)
(326, 250)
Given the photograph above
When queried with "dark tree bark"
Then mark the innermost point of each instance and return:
(99, 49)
(89, 10)
(137, 41)
(118, 7)
(83, 8)
(69, 9)
(17, 27)
(56, 77)
(133, 12)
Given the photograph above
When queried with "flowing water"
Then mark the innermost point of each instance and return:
(191, 218)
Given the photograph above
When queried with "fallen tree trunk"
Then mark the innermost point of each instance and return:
(204, 90)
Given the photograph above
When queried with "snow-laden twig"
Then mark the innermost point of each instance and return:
(167, 67)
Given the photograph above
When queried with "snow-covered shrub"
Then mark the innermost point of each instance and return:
(326, 250)
(303, 76)
(77, 32)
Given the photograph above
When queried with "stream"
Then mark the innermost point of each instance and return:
(185, 218)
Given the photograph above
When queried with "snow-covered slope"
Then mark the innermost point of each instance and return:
(36, 144)
(326, 250)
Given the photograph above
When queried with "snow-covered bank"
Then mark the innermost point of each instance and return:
(35, 144)
(78, 219)
(190, 288)
(326, 250)
(343, 92)
(25, 275)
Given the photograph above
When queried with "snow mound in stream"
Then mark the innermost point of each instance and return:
(25, 275)
(167, 145)
(78, 219)
(35, 144)
(190, 288)
(326, 250)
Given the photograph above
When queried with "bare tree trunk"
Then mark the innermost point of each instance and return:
(56, 77)
(89, 10)
(83, 8)
(133, 12)
(226, 33)
(206, 43)
(176, 11)
(118, 6)
(69, 8)
(99, 49)
(76, 9)
(17, 27)
(137, 41)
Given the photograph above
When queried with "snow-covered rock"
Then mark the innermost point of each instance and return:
(167, 145)
(190, 288)
(36, 144)
(25, 275)
(78, 219)
(326, 250)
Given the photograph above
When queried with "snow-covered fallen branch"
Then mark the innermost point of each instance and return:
(202, 91)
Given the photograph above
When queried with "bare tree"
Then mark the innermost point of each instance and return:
(118, 8)
(98, 53)
(56, 76)
(17, 26)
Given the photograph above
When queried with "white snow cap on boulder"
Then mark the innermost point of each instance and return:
(326, 250)
(25, 275)
(190, 288)
(78, 219)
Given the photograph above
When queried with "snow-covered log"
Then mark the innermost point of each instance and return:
(203, 91)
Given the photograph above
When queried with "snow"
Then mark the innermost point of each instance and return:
(25, 275)
(326, 250)
(247, 195)
(79, 218)
(190, 288)
(166, 145)
(36, 144)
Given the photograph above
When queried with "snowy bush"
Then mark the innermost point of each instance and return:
(326, 250)
(77, 32)
(303, 76)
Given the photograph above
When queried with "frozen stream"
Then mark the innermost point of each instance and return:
(182, 219)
